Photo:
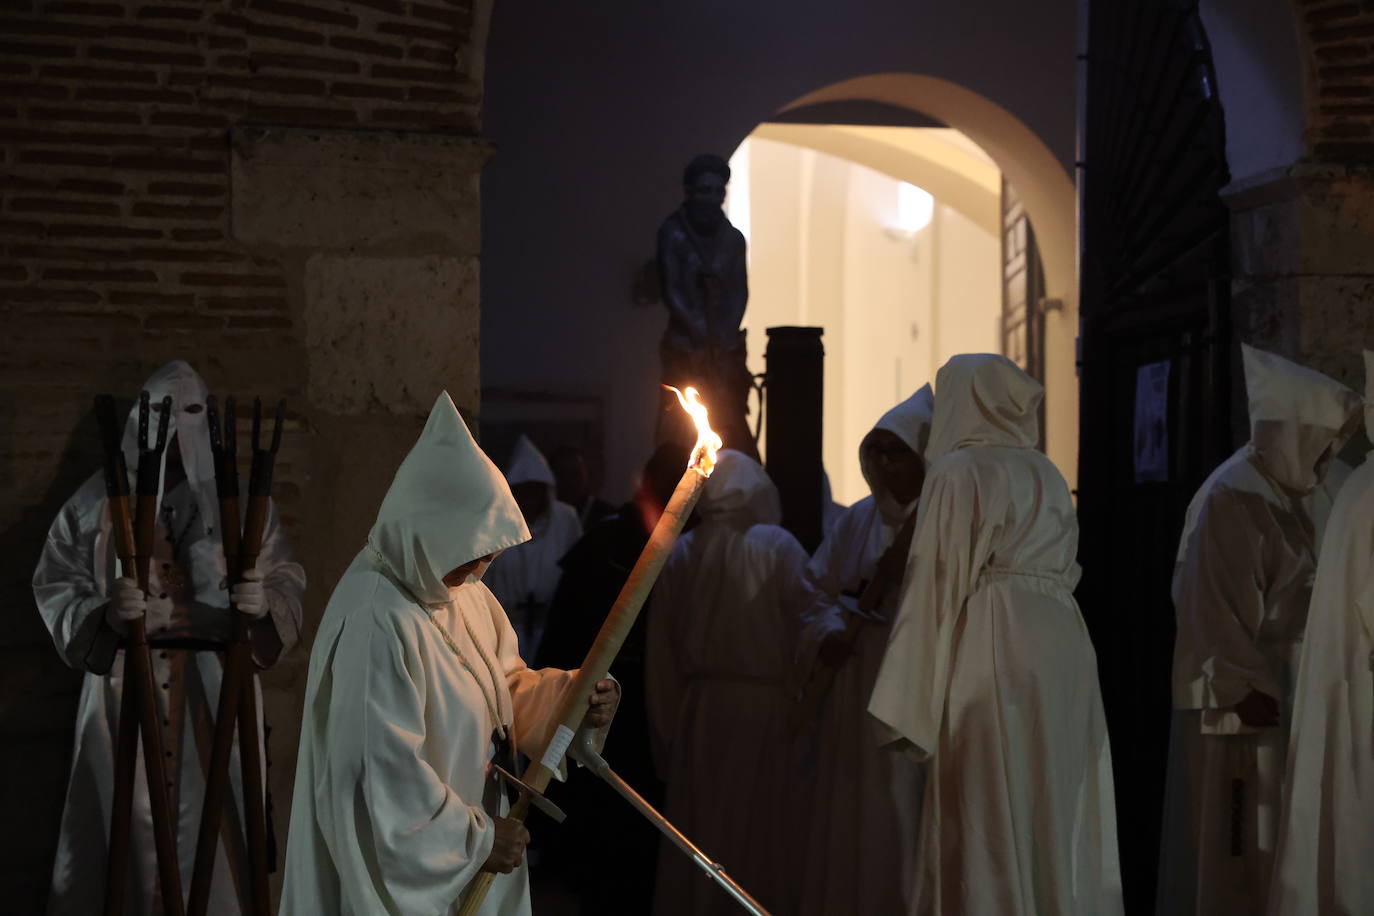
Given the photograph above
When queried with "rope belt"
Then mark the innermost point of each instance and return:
(1043, 577)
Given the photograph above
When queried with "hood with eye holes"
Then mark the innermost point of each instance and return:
(191, 428)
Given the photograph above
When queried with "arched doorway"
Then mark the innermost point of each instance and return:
(1030, 206)
(889, 238)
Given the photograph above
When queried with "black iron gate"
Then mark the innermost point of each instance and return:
(1155, 367)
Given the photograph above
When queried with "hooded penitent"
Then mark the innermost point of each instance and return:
(409, 680)
(861, 833)
(909, 421)
(725, 616)
(524, 580)
(989, 672)
(1241, 588)
(189, 419)
(187, 617)
(447, 506)
(1326, 840)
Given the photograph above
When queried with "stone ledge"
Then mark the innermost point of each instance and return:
(1289, 182)
(1303, 220)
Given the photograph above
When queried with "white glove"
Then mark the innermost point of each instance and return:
(248, 596)
(128, 603)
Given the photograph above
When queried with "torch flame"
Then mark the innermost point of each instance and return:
(708, 440)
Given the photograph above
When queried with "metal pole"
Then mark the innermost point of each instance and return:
(585, 754)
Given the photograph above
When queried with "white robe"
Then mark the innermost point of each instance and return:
(726, 611)
(863, 825)
(866, 813)
(525, 578)
(989, 670)
(71, 586)
(392, 809)
(1326, 840)
(1241, 589)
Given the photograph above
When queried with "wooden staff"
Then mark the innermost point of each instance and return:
(599, 657)
(237, 697)
(250, 743)
(138, 703)
(817, 687)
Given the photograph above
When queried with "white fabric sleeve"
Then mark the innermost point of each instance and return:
(537, 695)
(804, 608)
(825, 611)
(427, 842)
(1219, 604)
(1364, 601)
(947, 553)
(70, 597)
(283, 584)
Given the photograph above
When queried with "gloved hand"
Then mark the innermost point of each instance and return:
(248, 595)
(127, 602)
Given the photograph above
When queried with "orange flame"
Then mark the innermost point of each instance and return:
(708, 440)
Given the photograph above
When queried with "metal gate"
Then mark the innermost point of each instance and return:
(1155, 367)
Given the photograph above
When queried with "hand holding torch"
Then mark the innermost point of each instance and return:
(615, 628)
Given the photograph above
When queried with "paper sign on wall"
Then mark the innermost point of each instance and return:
(1152, 422)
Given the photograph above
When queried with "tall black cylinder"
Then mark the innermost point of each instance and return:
(796, 393)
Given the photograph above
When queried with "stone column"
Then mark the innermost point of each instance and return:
(378, 235)
(1303, 266)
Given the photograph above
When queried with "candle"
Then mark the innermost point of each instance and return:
(618, 622)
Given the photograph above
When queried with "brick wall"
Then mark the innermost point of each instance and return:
(123, 245)
(1339, 38)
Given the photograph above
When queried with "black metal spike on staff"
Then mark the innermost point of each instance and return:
(238, 701)
(133, 539)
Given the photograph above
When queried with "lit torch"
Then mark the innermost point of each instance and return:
(616, 627)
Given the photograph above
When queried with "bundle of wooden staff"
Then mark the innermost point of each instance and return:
(886, 577)
(238, 695)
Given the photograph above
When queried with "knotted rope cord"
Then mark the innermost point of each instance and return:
(493, 708)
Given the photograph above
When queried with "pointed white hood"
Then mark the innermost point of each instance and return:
(528, 464)
(188, 421)
(1299, 419)
(983, 399)
(909, 421)
(447, 505)
(740, 492)
(1369, 394)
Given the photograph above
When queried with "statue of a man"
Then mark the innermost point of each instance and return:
(704, 283)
